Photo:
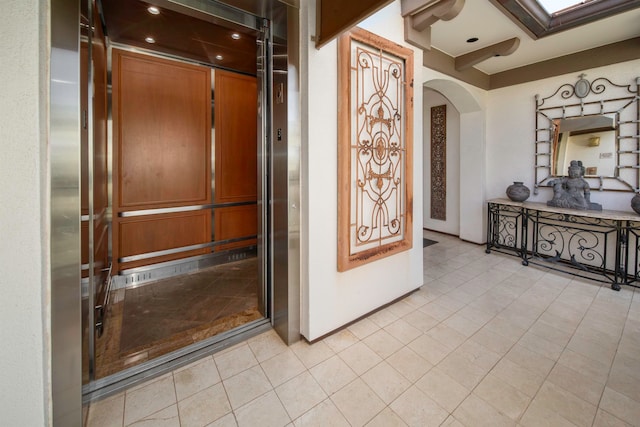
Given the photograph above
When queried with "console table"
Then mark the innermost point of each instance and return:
(602, 246)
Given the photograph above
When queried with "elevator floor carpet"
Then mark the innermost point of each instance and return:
(157, 318)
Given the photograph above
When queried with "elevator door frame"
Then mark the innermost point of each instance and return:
(113, 383)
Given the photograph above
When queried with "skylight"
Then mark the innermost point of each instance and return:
(541, 18)
(553, 6)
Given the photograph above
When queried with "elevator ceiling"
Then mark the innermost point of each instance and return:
(212, 41)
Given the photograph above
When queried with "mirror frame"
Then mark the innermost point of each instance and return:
(583, 99)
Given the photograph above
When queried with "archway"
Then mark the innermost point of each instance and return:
(472, 161)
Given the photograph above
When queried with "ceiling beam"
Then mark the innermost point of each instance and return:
(420, 15)
(333, 17)
(503, 48)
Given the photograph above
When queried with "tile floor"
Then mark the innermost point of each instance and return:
(485, 342)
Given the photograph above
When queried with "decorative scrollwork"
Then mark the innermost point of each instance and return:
(591, 99)
(375, 196)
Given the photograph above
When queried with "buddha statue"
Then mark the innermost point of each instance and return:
(573, 191)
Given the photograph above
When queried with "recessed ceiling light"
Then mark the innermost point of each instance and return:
(150, 40)
(153, 10)
(235, 36)
(219, 57)
(472, 40)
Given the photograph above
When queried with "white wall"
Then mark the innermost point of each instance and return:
(331, 299)
(452, 223)
(24, 283)
(510, 133)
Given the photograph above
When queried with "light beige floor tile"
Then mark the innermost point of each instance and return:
(357, 402)
(332, 374)
(568, 405)
(267, 345)
(363, 328)
(228, 420)
(530, 360)
(386, 418)
(325, 414)
(451, 422)
(504, 328)
(416, 409)
(312, 354)
(386, 382)
(542, 346)
(409, 364)
(624, 376)
(557, 322)
(474, 411)
(520, 314)
(340, 340)
(597, 350)
(383, 318)
(443, 389)
(622, 406)
(403, 331)
(592, 368)
(581, 385)
(494, 342)
(595, 327)
(360, 358)
(383, 343)
(437, 311)
(246, 386)
(429, 349)
(548, 332)
(300, 394)
(401, 308)
(446, 336)
(107, 412)
(462, 325)
(460, 369)
(417, 300)
(420, 320)
(504, 397)
(204, 407)
(476, 315)
(538, 415)
(478, 354)
(265, 411)
(235, 361)
(282, 367)
(149, 399)
(462, 294)
(195, 377)
(449, 302)
(167, 417)
(605, 419)
(521, 378)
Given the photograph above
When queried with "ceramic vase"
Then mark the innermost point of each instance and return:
(635, 203)
(518, 192)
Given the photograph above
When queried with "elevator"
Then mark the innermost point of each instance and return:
(187, 187)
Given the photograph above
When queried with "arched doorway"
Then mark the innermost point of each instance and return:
(470, 220)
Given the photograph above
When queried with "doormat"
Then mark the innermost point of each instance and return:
(427, 242)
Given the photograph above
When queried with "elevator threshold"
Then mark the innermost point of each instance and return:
(135, 277)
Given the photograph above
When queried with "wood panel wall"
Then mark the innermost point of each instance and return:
(162, 155)
(236, 155)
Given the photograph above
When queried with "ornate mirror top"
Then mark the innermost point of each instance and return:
(596, 121)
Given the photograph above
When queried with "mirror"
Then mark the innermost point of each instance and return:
(595, 122)
(592, 139)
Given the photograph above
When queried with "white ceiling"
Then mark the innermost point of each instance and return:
(481, 19)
